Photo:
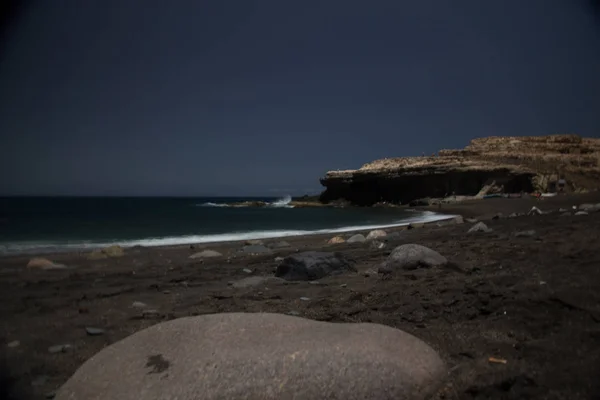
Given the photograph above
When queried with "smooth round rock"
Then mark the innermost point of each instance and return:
(259, 356)
(412, 256)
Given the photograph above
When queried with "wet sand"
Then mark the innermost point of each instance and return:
(532, 301)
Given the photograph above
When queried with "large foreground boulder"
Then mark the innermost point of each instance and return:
(412, 256)
(312, 265)
(259, 356)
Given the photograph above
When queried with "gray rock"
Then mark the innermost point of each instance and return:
(150, 314)
(358, 238)
(391, 236)
(581, 213)
(535, 211)
(458, 220)
(61, 348)
(256, 249)
(415, 225)
(252, 281)
(471, 220)
(377, 245)
(305, 298)
(313, 265)
(513, 215)
(412, 256)
(206, 254)
(528, 233)
(278, 259)
(94, 331)
(279, 245)
(294, 313)
(479, 227)
(138, 304)
(277, 357)
(588, 207)
(13, 344)
(247, 270)
(370, 272)
(376, 234)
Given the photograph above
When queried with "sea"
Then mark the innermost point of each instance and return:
(54, 224)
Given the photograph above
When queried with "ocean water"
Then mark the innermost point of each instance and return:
(50, 224)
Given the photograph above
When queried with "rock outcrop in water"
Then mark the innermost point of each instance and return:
(486, 165)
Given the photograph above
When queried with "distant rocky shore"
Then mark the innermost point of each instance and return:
(487, 166)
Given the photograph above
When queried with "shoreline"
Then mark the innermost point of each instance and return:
(497, 298)
(425, 217)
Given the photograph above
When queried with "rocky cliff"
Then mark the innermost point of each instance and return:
(500, 164)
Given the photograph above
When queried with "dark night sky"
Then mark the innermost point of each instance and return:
(113, 97)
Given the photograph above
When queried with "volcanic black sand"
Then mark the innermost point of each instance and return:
(531, 301)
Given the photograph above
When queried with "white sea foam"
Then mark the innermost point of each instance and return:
(209, 204)
(49, 247)
(284, 202)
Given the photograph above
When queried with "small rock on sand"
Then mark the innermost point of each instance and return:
(61, 348)
(336, 240)
(581, 213)
(94, 331)
(358, 238)
(279, 245)
(256, 249)
(589, 207)
(377, 245)
(43, 263)
(138, 304)
(479, 227)
(377, 233)
(535, 211)
(458, 220)
(313, 265)
(528, 233)
(412, 256)
(247, 270)
(471, 220)
(13, 344)
(206, 254)
(404, 366)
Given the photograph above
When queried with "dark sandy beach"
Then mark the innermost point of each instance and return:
(532, 301)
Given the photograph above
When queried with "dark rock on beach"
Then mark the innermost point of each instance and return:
(276, 356)
(313, 265)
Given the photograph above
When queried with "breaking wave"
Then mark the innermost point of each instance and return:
(284, 202)
(52, 247)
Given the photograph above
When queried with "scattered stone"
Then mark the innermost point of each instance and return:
(377, 233)
(94, 331)
(312, 352)
(313, 265)
(581, 213)
(588, 207)
(256, 249)
(412, 256)
(61, 348)
(458, 220)
(247, 270)
(138, 304)
(513, 215)
(377, 245)
(279, 245)
(471, 220)
(43, 263)
(479, 227)
(415, 225)
(206, 254)
(529, 233)
(343, 285)
(305, 298)
(294, 313)
(253, 281)
(336, 240)
(13, 344)
(114, 251)
(535, 211)
(278, 259)
(370, 272)
(498, 216)
(149, 314)
(358, 238)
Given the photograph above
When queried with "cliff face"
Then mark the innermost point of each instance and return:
(503, 164)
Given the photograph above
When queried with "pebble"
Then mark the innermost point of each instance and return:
(278, 259)
(138, 304)
(247, 270)
(13, 344)
(343, 285)
(581, 213)
(61, 348)
(294, 313)
(305, 298)
(94, 331)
